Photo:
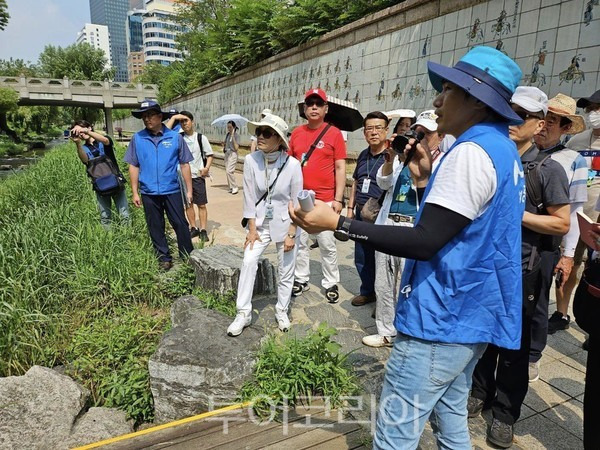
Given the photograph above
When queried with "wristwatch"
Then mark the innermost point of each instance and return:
(342, 232)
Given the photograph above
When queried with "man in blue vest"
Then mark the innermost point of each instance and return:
(153, 155)
(461, 288)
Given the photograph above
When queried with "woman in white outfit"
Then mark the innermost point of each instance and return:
(271, 180)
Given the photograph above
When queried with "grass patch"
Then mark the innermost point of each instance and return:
(295, 368)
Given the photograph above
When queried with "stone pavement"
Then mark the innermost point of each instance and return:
(552, 414)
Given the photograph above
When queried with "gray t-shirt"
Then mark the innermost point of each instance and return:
(554, 190)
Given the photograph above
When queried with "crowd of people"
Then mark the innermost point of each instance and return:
(462, 217)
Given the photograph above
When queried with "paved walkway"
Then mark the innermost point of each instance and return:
(552, 414)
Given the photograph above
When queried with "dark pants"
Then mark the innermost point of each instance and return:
(155, 207)
(364, 260)
(501, 377)
(539, 321)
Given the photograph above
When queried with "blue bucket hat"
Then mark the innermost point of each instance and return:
(147, 105)
(485, 73)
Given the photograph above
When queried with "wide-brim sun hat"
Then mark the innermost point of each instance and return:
(564, 106)
(585, 101)
(148, 105)
(485, 73)
(426, 119)
(274, 122)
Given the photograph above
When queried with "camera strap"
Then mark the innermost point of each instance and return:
(273, 183)
(314, 145)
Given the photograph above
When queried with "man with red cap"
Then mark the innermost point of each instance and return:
(321, 150)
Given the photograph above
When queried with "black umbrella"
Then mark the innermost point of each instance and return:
(341, 114)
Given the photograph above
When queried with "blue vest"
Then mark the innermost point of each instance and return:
(157, 162)
(89, 149)
(470, 291)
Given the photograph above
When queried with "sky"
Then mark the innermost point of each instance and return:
(33, 24)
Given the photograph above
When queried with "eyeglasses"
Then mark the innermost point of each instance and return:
(267, 133)
(311, 102)
(378, 128)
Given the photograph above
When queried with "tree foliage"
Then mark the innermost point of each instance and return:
(77, 61)
(8, 99)
(4, 16)
(225, 36)
(17, 67)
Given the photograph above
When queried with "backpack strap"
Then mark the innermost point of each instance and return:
(202, 154)
(533, 181)
(314, 145)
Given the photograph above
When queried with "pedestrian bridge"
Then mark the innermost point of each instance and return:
(65, 92)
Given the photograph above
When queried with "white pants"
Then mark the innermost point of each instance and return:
(230, 163)
(388, 271)
(286, 265)
(328, 249)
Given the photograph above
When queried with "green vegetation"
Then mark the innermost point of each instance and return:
(4, 16)
(224, 36)
(299, 367)
(72, 293)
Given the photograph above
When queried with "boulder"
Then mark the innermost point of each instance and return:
(44, 409)
(217, 269)
(197, 367)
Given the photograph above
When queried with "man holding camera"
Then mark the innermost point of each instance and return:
(92, 145)
(321, 150)
(153, 155)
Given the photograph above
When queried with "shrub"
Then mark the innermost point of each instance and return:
(291, 367)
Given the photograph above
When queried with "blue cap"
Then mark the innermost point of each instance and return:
(485, 73)
(147, 105)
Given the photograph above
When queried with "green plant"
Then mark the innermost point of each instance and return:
(110, 356)
(292, 367)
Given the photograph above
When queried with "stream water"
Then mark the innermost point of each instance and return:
(9, 165)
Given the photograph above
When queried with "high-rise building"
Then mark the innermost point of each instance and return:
(159, 31)
(98, 37)
(113, 14)
(135, 43)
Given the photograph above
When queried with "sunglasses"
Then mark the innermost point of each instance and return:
(525, 115)
(267, 133)
(311, 102)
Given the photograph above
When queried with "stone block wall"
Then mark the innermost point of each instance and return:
(380, 61)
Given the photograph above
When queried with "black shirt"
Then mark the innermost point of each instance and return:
(367, 166)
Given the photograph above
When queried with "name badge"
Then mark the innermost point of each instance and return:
(269, 211)
(365, 186)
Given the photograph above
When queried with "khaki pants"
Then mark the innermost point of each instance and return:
(230, 163)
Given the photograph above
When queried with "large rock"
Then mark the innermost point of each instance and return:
(44, 410)
(217, 269)
(197, 367)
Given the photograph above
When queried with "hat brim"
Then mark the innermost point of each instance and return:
(480, 90)
(137, 113)
(430, 125)
(252, 126)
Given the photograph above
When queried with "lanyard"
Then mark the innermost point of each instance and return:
(374, 165)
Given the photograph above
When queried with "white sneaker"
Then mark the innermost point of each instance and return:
(534, 371)
(234, 191)
(237, 326)
(376, 340)
(283, 321)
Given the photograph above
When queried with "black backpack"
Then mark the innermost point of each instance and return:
(105, 175)
(204, 159)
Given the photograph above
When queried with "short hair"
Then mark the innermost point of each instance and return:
(376, 115)
(413, 120)
(81, 123)
(564, 121)
(187, 114)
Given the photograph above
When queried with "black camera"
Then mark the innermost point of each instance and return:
(401, 141)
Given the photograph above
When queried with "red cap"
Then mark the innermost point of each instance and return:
(318, 92)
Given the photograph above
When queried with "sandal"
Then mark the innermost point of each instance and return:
(332, 294)
(299, 288)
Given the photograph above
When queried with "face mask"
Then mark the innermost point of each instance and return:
(594, 119)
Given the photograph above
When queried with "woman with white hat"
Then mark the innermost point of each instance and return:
(271, 180)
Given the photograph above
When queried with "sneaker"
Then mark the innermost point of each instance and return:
(500, 434)
(558, 322)
(283, 321)
(242, 320)
(234, 191)
(299, 288)
(332, 294)
(534, 371)
(360, 300)
(375, 340)
(203, 236)
(474, 406)
(194, 232)
(165, 265)
(314, 245)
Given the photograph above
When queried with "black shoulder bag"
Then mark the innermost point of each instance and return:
(245, 220)
(204, 159)
(314, 145)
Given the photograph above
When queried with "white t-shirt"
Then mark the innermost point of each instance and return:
(192, 142)
(465, 182)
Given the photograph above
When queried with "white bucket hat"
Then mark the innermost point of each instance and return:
(531, 99)
(274, 122)
(427, 119)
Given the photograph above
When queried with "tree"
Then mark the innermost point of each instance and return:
(17, 67)
(4, 16)
(8, 102)
(77, 61)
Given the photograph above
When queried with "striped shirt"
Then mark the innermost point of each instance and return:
(576, 169)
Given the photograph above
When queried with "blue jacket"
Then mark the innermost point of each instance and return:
(158, 158)
(470, 292)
